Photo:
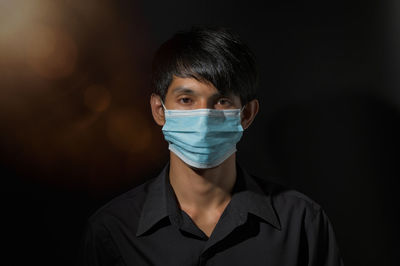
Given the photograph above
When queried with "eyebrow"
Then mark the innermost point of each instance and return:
(185, 90)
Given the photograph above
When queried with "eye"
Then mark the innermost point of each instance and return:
(185, 100)
(224, 102)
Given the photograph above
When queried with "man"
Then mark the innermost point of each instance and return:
(203, 208)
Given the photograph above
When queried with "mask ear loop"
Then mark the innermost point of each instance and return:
(165, 109)
(162, 102)
(241, 111)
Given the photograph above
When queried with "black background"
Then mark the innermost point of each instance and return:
(328, 124)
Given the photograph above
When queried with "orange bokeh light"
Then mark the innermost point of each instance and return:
(97, 98)
(50, 52)
(129, 130)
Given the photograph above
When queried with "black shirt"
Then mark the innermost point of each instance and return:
(263, 224)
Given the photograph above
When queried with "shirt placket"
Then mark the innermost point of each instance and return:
(230, 220)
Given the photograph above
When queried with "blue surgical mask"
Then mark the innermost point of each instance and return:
(202, 138)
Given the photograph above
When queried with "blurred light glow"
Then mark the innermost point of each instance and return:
(97, 98)
(50, 52)
(55, 57)
(15, 17)
(129, 130)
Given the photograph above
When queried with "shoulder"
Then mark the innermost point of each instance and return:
(125, 208)
(289, 202)
(303, 222)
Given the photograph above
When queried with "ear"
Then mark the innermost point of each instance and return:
(249, 113)
(157, 109)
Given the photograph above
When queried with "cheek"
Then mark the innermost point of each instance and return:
(169, 102)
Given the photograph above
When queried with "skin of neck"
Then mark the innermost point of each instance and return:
(200, 190)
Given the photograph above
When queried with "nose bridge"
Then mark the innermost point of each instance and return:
(206, 103)
(210, 103)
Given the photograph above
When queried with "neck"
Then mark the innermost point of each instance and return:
(202, 189)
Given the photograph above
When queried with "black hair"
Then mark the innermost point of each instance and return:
(208, 54)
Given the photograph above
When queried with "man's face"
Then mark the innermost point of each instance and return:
(189, 93)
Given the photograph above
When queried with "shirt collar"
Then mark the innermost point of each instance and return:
(155, 205)
(248, 197)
